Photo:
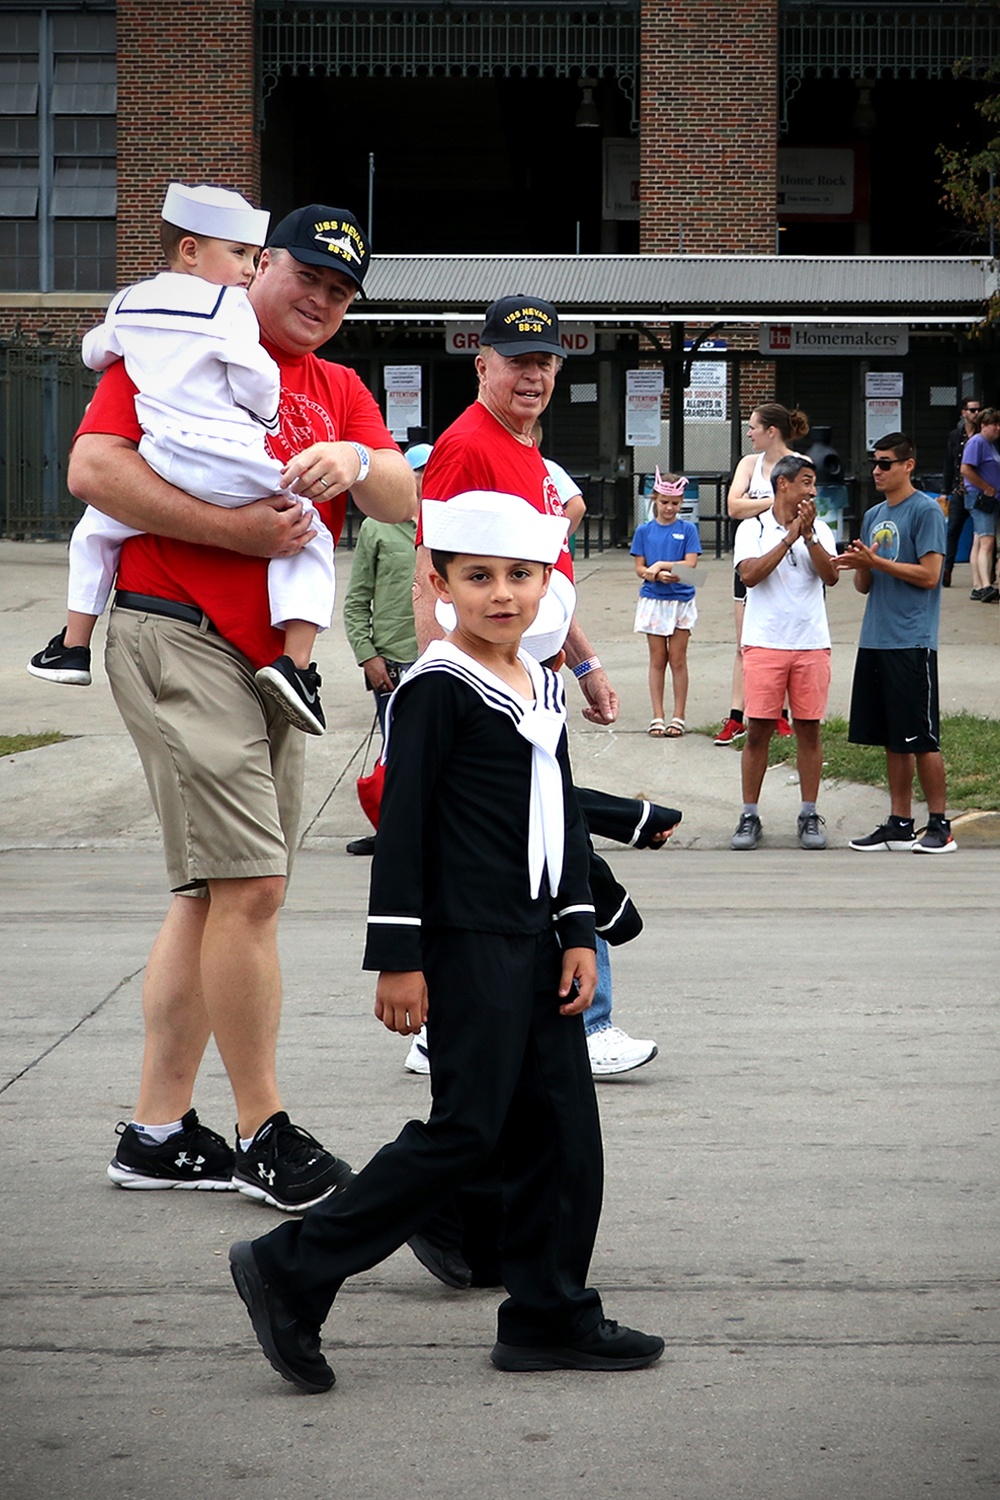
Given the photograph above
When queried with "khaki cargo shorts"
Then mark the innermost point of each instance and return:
(224, 769)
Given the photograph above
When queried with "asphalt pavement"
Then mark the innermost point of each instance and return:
(802, 1187)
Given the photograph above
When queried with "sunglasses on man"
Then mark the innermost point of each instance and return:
(886, 463)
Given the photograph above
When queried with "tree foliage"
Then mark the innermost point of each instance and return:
(971, 179)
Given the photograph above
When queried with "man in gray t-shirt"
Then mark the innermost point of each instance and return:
(894, 701)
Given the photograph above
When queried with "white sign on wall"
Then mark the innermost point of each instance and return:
(403, 404)
(882, 415)
(834, 338)
(575, 338)
(815, 180)
(643, 396)
(885, 383)
(705, 397)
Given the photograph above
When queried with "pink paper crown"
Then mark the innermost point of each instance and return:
(666, 487)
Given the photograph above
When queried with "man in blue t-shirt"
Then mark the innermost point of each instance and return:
(894, 701)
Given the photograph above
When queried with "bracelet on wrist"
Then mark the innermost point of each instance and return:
(364, 461)
(592, 664)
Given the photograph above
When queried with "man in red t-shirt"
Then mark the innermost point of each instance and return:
(190, 625)
(490, 447)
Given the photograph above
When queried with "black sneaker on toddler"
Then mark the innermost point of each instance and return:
(296, 692)
(194, 1157)
(68, 665)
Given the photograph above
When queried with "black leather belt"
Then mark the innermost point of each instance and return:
(148, 604)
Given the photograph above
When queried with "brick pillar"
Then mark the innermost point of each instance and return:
(185, 113)
(709, 126)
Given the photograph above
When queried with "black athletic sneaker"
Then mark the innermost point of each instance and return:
(445, 1262)
(292, 1348)
(193, 1158)
(897, 835)
(287, 1167)
(69, 665)
(608, 1347)
(296, 693)
(936, 838)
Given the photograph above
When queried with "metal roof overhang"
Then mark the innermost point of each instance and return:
(627, 291)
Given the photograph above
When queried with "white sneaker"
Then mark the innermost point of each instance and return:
(418, 1058)
(614, 1051)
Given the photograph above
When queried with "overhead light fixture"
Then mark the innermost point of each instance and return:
(588, 116)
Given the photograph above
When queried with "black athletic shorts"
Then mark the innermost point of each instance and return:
(894, 700)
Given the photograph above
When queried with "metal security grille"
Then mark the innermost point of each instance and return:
(883, 41)
(43, 392)
(464, 42)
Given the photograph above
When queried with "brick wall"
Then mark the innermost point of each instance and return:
(708, 140)
(185, 112)
(52, 325)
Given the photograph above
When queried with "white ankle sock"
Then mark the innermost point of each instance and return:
(158, 1133)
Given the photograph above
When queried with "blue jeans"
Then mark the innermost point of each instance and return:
(598, 1017)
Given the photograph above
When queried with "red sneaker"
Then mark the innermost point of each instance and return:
(731, 731)
(785, 729)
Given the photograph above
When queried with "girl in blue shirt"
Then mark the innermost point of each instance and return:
(666, 611)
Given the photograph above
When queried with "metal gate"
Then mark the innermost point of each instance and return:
(43, 392)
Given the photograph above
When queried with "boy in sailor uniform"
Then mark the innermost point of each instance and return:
(481, 922)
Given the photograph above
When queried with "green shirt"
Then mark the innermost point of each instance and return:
(378, 605)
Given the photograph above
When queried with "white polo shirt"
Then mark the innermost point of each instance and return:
(787, 611)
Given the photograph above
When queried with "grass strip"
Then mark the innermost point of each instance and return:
(971, 746)
(13, 744)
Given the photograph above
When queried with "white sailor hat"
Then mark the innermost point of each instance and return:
(495, 525)
(215, 211)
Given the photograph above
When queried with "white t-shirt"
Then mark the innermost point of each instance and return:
(787, 611)
(566, 486)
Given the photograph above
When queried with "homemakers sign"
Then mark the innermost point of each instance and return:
(463, 338)
(834, 338)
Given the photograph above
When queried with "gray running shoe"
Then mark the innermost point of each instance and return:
(748, 832)
(811, 835)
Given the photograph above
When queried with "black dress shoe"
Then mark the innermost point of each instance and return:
(606, 1347)
(292, 1348)
(447, 1265)
(362, 846)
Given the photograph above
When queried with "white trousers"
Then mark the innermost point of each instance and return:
(302, 587)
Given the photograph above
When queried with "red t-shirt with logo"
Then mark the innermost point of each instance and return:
(478, 453)
(320, 403)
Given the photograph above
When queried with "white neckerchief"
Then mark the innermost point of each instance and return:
(540, 722)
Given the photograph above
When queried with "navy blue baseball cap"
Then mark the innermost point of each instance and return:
(318, 235)
(522, 325)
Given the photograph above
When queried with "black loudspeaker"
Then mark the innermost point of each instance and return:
(829, 467)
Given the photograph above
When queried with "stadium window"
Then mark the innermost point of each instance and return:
(58, 167)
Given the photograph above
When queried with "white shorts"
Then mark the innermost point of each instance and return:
(664, 616)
